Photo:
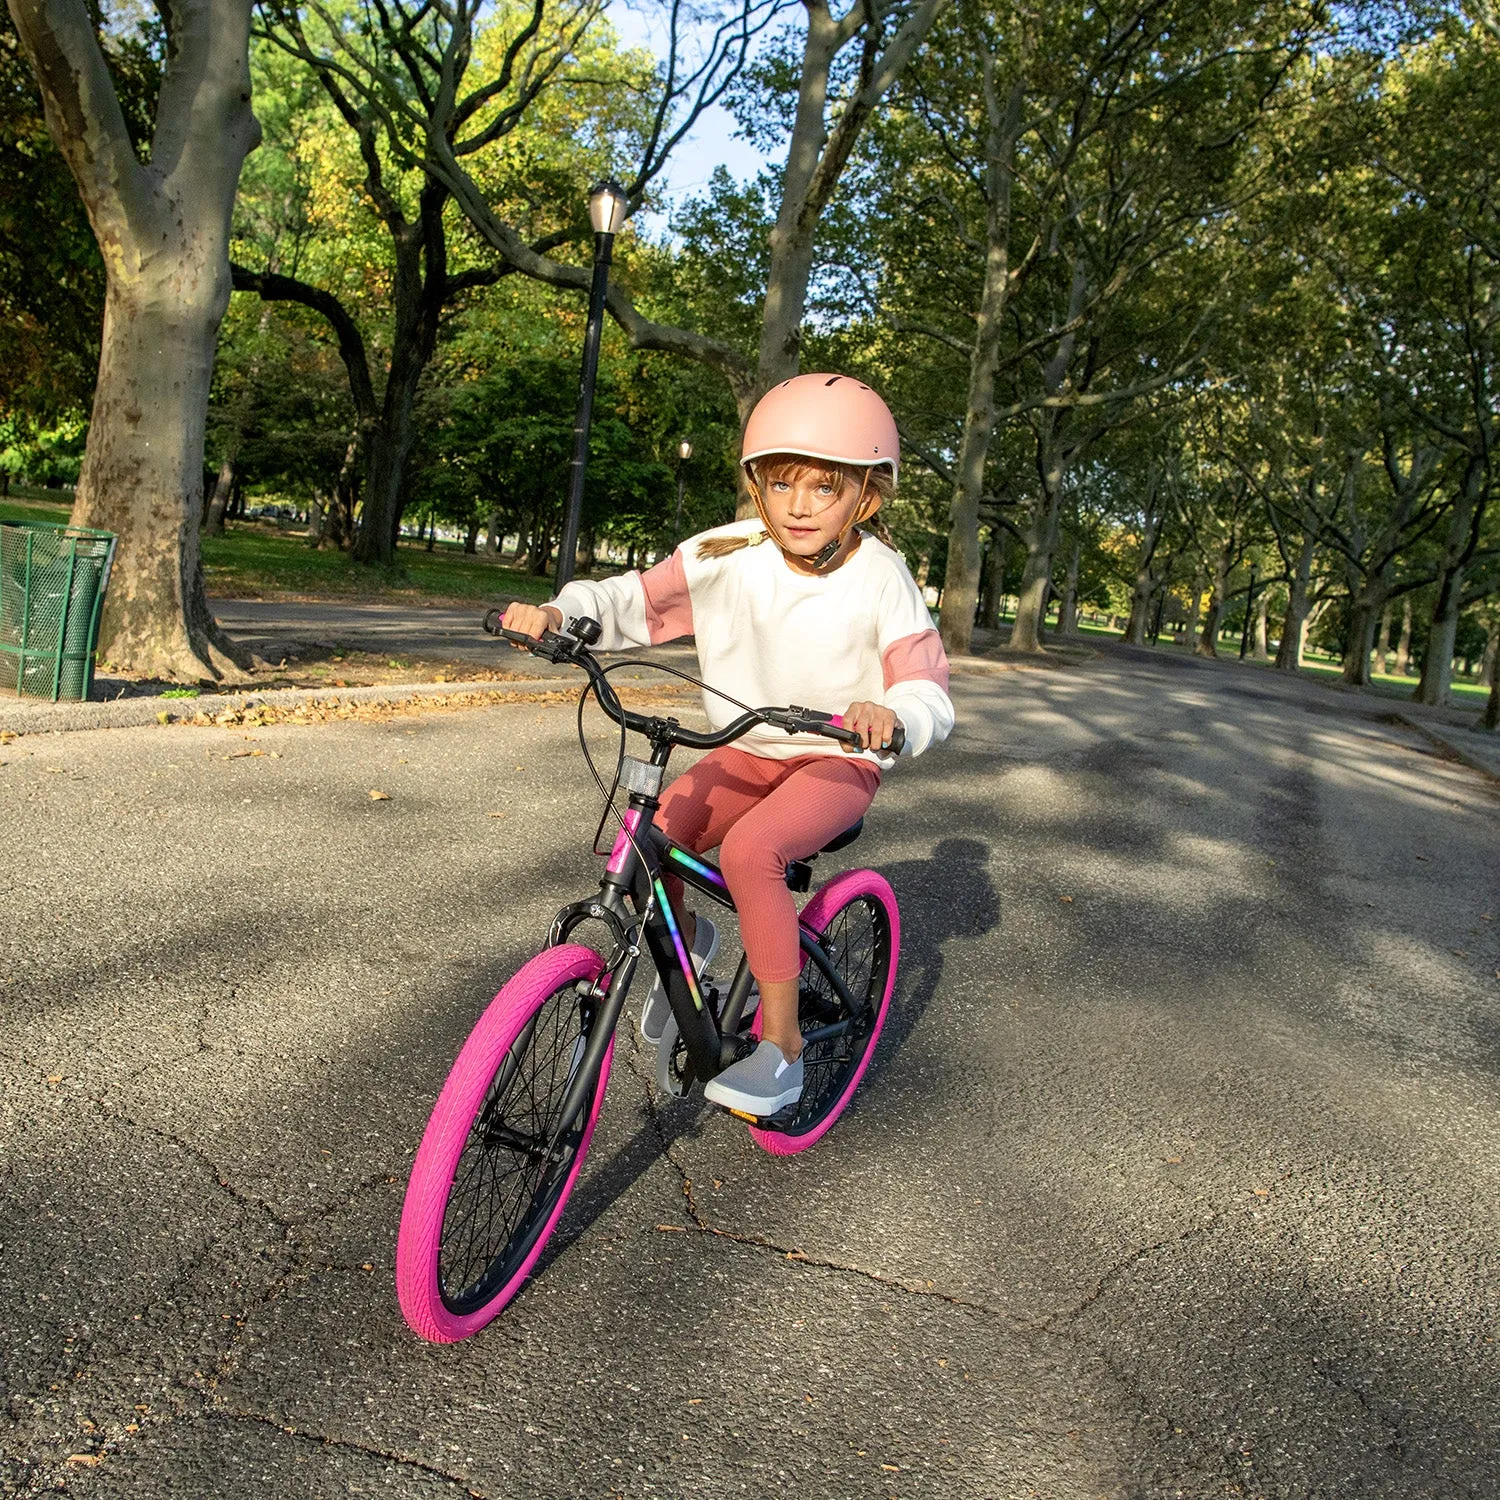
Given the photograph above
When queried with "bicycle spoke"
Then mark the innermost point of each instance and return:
(854, 941)
(504, 1185)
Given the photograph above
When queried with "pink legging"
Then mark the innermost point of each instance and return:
(764, 813)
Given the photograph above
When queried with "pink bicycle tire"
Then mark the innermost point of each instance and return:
(827, 903)
(419, 1239)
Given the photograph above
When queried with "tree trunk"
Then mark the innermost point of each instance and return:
(142, 478)
(816, 157)
(163, 232)
(961, 582)
(317, 514)
(386, 453)
(1289, 650)
(1195, 603)
(1382, 658)
(1435, 685)
(1067, 613)
(1259, 648)
(541, 550)
(1208, 639)
(1403, 643)
(1490, 719)
(994, 581)
(223, 489)
(1138, 624)
(471, 538)
(1491, 649)
(492, 534)
(1359, 641)
(1036, 580)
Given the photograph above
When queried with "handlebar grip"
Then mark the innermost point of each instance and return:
(492, 626)
(836, 721)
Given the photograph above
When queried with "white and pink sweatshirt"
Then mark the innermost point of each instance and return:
(772, 636)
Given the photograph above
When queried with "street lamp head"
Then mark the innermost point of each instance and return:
(684, 449)
(608, 206)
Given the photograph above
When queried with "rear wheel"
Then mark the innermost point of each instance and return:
(859, 927)
(484, 1193)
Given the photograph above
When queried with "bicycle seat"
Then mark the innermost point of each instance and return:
(846, 838)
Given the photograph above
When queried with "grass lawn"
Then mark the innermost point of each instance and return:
(26, 505)
(259, 562)
(1465, 694)
(250, 562)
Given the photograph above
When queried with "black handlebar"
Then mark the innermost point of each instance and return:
(573, 647)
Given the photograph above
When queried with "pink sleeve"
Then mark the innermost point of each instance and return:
(919, 655)
(669, 607)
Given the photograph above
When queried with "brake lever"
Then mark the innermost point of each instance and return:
(550, 646)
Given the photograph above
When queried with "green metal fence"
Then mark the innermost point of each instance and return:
(52, 582)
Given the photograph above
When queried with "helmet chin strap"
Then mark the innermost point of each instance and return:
(824, 555)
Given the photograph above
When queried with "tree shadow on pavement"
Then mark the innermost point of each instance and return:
(946, 896)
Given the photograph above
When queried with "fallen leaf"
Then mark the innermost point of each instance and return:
(54, 1078)
(1066, 900)
(891, 1468)
(497, 815)
(1174, 1161)
(379, 796)
(1261, 1192)
(88, 1459)
(164, 717)
(1424, 859)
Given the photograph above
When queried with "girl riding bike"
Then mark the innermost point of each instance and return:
(826, 613)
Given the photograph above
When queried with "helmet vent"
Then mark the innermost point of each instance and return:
(833, 379)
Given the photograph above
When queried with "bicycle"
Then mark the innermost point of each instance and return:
(512, 1124)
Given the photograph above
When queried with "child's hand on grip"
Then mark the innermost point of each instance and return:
(873, 722)
(531, 619)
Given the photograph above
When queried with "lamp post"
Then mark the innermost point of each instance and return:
(684, 452)
(607, 209)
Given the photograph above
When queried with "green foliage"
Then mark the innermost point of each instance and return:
(51, 274)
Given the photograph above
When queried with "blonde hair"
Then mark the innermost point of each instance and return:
(793, 466)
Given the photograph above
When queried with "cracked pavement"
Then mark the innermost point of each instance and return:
(1175, 1174)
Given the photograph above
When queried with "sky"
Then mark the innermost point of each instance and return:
(712, 142)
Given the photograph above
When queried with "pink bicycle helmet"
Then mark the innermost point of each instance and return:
(823, 416)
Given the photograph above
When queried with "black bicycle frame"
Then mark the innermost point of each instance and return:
(633, 900)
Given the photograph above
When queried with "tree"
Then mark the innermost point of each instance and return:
(843, 68)
(162, 226)
(1084, 159)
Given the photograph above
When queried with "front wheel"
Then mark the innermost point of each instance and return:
(484, 1193)
(859, 926)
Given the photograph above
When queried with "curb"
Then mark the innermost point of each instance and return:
(1451, 743)
(129, 713)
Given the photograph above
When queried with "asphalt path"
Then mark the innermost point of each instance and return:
(1176, 1173)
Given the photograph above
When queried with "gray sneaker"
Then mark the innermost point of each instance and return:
(658, 1009)
(759, 1084)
